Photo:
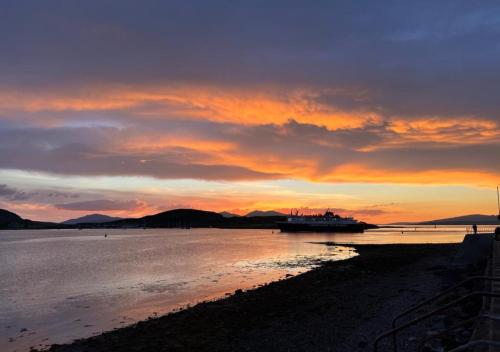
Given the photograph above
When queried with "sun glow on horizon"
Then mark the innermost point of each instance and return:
(373, 202)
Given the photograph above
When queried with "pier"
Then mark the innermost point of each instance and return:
(486, 336)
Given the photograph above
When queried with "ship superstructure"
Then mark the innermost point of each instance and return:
(327, 222)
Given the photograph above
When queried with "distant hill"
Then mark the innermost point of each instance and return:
(177, 218)
(187, 218)
(227, 214)
(12, 221)
(91, 219)
(7, 217)
(264, 213)
(183, 218)
(465, 220)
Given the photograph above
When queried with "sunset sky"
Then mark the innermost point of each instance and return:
(384, 110)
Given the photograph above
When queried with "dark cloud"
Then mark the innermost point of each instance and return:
(12, 193)
(480, 158)
(409, 58)
(330, 149)
(96, 152)
(314, 150)
(101, 205)
(57, 194)
(40, 195)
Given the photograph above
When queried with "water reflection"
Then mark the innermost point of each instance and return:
(63, 284)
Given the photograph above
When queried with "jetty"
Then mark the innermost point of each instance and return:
(464, 316)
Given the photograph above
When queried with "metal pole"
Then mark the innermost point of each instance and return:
(476, 343)
(422, 317)
(439, 295)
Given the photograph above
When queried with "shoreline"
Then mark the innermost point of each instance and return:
(339, 306)
(223, 262)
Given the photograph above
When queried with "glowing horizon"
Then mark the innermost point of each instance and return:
(384, 120)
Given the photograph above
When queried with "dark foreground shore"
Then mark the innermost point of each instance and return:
(340, 306)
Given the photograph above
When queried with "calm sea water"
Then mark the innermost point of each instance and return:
(58, 285)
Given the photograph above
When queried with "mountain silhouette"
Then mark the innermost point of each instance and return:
(12, 221)
(227, 214)
(264, 213)
(91, 219)
(187, 218)
(7, 217)
(465, 220)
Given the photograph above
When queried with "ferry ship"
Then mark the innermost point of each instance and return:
(328, 222)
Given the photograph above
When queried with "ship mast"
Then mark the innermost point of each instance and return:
(498, 203)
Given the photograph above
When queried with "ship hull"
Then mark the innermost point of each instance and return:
(291, 227)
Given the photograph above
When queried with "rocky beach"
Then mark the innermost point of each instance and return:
(339, 306)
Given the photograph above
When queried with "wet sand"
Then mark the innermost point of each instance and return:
(340, 306)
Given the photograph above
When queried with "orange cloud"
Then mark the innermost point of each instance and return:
(267, 106)
(251, 106)
(241, 106)
(363, 174)
(445, 130)
(311, 169)
(159, 143)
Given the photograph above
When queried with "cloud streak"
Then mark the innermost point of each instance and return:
(215, 151)
(12, 193)
(101, 205)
